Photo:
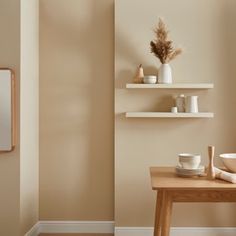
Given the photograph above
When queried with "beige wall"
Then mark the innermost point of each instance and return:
(76, 110)
(9, 162)
(29, 134)
(207, 31)
(19, 169)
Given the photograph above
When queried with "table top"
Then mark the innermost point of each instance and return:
(166, 178)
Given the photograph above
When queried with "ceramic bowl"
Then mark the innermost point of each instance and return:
(149, 79)
(189, 161)
(229, 160)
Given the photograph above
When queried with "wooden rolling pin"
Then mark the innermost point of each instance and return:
(211, 171)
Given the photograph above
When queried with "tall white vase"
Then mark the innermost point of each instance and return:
(164, 74)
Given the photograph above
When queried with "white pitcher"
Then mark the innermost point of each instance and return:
(191, 104)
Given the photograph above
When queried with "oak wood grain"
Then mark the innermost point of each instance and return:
(165, 178)
(158, 219)
(172, 189)
(203, 196)
(166, 213)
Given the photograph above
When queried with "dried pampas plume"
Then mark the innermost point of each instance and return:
(161, 47)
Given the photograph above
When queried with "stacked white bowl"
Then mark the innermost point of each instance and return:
(189, 165)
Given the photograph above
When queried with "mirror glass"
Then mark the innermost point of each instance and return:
(7, 107)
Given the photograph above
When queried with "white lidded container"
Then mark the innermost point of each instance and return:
(180, 103)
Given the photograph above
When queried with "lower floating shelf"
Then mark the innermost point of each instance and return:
(169, 115)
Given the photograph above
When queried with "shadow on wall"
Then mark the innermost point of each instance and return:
(228, 39)
(76, 110)
(129, 52)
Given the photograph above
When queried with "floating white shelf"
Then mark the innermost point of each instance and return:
(171, 86)
(169, 115)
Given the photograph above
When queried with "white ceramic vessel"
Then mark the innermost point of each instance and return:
(174, 109)
(149, 79)
(229, 160)
(189, 161)
(164, 74)
(191, 104)
(180, 103)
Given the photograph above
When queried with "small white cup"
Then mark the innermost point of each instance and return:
(174, 109)
(189, 161)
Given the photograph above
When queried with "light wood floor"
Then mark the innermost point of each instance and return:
(76, 235)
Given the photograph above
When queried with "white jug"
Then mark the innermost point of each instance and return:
(191, 104)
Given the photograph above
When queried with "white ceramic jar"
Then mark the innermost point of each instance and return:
(191, 104)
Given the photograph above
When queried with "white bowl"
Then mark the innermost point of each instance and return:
(189, 161)
(149, 79)
(229, 160)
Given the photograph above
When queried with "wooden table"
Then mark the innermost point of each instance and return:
(172, 188)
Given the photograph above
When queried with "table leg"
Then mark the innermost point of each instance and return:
(157, 224)
(166, 213)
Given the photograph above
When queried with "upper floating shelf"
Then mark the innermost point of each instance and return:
(171, 86)
(169, 115)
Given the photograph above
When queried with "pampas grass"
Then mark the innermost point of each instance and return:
(161, 47)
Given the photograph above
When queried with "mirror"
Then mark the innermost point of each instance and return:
(7, 110)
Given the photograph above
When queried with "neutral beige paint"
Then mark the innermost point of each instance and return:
(19, 169)
(207, 31)
(76, 110)
(9, 162)
(29, 134)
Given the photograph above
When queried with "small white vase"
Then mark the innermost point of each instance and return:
(164, 74)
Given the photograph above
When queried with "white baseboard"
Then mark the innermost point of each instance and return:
(177, 231)
(72, 227)
(76, 227)
(108, 227)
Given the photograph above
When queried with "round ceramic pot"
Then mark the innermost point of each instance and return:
(149, 79)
